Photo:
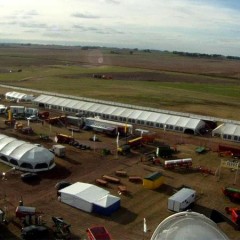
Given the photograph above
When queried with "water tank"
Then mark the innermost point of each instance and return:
(188, 226)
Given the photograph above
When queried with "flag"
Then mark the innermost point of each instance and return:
(144, 225)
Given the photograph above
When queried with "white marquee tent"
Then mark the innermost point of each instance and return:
(122, 114)
(228, 131)
(25, 156)
(89, 198)
(19, 96)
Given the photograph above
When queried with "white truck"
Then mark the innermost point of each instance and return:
(59, 150)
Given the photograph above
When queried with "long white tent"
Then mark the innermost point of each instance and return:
(228, 131)
(25, 156)
(19, 96)
(122, 114)
(90, 198)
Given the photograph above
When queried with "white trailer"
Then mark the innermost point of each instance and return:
(59, 150)
(181, 200)
(31, 111)
(17, 110)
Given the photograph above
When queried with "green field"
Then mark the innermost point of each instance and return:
(158, 79)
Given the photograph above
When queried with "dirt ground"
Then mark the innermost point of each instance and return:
(139, 203)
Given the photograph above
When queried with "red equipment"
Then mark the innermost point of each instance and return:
(232, 193)
(98, 233)
(62, 138)
(235, 214)
(43, 115)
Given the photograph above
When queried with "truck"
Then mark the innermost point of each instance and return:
(98, 233)
(59, 150)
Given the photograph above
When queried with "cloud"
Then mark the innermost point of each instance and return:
(98, 30)
(112, 1)
(85, 15)
(33, 25)
(31, 13)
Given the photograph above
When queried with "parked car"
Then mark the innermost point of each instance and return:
(32, 118)
(30, 177)
(35, 232)
(60, 185)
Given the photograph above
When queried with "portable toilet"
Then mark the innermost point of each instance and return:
(153, 180)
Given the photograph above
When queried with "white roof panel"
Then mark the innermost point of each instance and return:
(135, 114)
(172, 120)
(107, 201)
(144, 115)
(85, 191)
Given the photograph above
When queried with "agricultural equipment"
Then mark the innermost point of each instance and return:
(98, 233)
(136, 142)
(232, 193)
(43, 115)
(201, 150)
(28, 215)
(60, 228)
(165, 151)
(124, 149)
(225, 150)
(178, 163)
(235, 215)
(61, 138)
(61, 120)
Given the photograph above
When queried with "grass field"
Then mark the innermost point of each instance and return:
(157, 79)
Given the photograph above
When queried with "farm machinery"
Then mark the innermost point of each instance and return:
(235, 215)
(61, 229)
(232, 193)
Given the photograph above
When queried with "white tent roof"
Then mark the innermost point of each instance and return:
(231, 129)
(106, 201)
(18, 95)
(24, 152)
(85, 191)
(124, 112)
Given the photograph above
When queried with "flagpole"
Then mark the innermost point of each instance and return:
(117, 141)
(144, 227)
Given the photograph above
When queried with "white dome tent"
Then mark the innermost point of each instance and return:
(25, 156)
(188, 226)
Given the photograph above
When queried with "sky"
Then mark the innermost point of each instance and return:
(202, 26)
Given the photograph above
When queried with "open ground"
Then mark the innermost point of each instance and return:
(174, 83)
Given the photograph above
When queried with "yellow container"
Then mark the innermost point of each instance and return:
(153, 180)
